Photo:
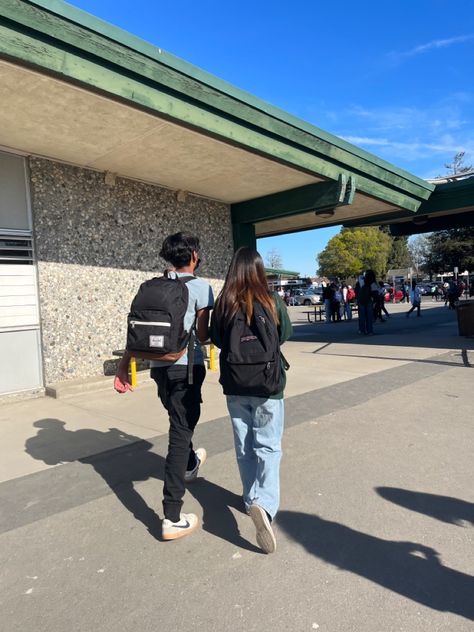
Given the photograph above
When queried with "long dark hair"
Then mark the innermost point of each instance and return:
(245, 283)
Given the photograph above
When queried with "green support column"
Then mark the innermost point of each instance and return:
(244, 235)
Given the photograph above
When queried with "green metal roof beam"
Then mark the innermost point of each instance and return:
(84, 36)
(70, 67)
(277, 271)
(320, 195)
(118, 36)
(442, 222)
(449, 196)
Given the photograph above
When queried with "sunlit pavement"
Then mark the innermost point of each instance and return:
(376, 524)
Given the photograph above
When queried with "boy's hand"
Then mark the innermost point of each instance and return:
(121, 384)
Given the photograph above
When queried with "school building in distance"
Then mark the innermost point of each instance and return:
(107, 145)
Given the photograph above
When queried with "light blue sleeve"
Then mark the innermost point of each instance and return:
(204, 296)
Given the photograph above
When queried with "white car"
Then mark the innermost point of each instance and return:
(308, 297)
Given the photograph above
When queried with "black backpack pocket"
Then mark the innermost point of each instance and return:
(255, 376)
(149, 331)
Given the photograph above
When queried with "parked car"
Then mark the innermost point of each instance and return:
(308, 297)
(425, 288)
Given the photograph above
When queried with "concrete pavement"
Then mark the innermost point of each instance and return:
(376, 524)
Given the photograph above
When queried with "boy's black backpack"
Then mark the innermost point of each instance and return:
(156, 319)
(250, 359)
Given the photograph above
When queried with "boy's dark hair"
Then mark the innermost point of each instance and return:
(178, 248)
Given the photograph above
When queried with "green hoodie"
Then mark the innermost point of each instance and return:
(284, 331)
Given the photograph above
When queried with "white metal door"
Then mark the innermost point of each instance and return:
(20, 342)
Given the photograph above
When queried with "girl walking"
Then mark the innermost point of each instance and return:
(249, 324)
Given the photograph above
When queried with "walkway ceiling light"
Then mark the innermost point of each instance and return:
(325, 212)
(420, 221)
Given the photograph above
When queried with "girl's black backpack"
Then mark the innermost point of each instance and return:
(250, 358)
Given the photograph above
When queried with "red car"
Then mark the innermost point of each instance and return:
(389, 295)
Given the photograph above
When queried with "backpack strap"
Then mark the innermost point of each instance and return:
(191, 346)
(286, 364)
(192, 335)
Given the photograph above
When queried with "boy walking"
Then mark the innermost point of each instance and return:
(179, 387)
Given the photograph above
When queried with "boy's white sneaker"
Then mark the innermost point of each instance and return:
(191, 475)
(174, 530)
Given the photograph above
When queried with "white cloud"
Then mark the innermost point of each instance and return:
(413, 150)
(433, 45)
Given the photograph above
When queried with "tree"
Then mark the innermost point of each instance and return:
(354, 250)
(458, 167)
(399, 256)
(273, 259)
(450, 248)
(420, 254)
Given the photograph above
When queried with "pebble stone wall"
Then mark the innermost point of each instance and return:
(95, 243)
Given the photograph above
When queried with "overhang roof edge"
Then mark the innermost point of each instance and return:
(120, 36)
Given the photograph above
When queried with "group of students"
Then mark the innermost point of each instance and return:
(371, 301)
(338, 301)
(248, 324)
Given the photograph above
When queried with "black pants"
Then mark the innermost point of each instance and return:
(183, 403)
(416, 306)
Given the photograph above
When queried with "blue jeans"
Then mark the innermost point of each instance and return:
(258, 428)
(366, 318)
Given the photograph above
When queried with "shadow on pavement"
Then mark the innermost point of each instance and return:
(121, 467)
(407, 568)
(444, 508)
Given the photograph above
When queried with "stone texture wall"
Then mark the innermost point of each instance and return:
(95, 244)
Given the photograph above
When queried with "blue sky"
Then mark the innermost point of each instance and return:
(396, 78)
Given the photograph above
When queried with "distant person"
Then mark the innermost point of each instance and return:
(453, 294)
(381, 308)
(328, 295)
(336, 303)
(249, 324)
(415, 299)
(445, 293)
(406, 292)
(348, 294)
(368, 293)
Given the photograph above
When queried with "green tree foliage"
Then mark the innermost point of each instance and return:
(354, 250)
(450, 248)
(399, 256)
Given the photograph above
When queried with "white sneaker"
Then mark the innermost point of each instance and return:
(174, 530)
(265, 536)
(201, 456)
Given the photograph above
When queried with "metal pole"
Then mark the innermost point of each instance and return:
(133, 372)
(212, 357)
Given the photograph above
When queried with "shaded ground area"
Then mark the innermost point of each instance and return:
(377, 519)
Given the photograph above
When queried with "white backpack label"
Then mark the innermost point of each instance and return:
(157, 342)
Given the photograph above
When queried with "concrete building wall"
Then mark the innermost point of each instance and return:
(95, 243)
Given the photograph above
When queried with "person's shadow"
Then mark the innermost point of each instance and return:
(407, 568)
(133, 461)
(444, 508)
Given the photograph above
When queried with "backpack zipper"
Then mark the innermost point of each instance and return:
(133, 323)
